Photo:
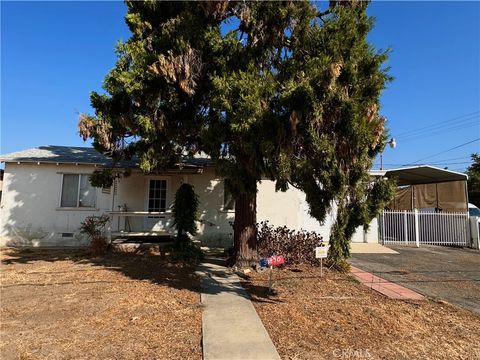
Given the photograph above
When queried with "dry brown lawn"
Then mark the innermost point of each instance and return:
(62, 304)
(335, 317)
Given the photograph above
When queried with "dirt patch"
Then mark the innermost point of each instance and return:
(336, 317)
(61, 304)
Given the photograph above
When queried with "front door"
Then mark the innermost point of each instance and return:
(157, 201)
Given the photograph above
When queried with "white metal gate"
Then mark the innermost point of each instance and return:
(398, 227)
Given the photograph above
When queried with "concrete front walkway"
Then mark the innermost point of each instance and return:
(230, 325)
(370, 248)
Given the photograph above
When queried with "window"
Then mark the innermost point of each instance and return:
(228, 201)
(157, 195)
(77, 191)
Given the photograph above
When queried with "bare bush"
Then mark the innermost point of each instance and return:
(94, 228)
(297, 247)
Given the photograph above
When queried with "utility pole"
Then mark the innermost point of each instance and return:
(392, 144)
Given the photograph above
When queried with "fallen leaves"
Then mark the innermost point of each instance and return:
(318, 318)
(64, 304)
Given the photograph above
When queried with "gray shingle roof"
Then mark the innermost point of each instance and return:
(79, 155)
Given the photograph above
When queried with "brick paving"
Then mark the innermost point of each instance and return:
(385, 287)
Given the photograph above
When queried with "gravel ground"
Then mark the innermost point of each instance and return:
(336, 317)
(62, 304)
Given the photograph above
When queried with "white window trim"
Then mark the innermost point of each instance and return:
(168, 197)
(85, 208)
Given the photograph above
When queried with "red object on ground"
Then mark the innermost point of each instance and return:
(276, 260)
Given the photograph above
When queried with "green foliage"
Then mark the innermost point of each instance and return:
(184, 250)
(102, 178)
(291, 94)
(473, 173)
(333, 101)
(342, 265)
(105, 177)
(185, 210)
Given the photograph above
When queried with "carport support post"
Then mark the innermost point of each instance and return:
(417, 230)
(383, 228)
(405, 226)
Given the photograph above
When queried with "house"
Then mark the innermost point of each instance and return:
(47, 194)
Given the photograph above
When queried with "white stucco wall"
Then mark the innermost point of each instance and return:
(30, 210)
(290, 208)
(214, 226)
(30, 213)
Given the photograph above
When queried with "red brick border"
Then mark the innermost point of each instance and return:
(384, 287)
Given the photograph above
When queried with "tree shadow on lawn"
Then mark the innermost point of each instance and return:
(219, 280)
(160, 270)
(145, 267)
(261, 294)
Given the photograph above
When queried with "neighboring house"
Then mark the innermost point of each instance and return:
(47, 194)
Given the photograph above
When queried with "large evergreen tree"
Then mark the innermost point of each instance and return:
(473, 172)
(280, 90)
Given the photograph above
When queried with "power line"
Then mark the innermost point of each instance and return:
(441, 163)
(437, 162)
(456, 158)
(439, 131)
(451, 159)
(437, 124)
(451, 163)
(464, 122)
(442, 152)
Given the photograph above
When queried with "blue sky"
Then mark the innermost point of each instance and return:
(54, 53)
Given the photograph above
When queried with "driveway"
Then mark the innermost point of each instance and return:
(444, 273)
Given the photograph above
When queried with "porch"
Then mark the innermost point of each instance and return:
(141, 206)
(153, 224)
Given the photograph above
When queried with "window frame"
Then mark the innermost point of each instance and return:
(166, 194)
(77, 206)
(169, 196)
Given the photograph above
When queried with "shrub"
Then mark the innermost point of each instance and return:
(94, 227)
(184, 250)
(185, 211)
(296, 246)
(341, 266)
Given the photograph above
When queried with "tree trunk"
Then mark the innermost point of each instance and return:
(245, 230)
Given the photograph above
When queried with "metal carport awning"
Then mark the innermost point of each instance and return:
(429, 187)
(423, 174)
